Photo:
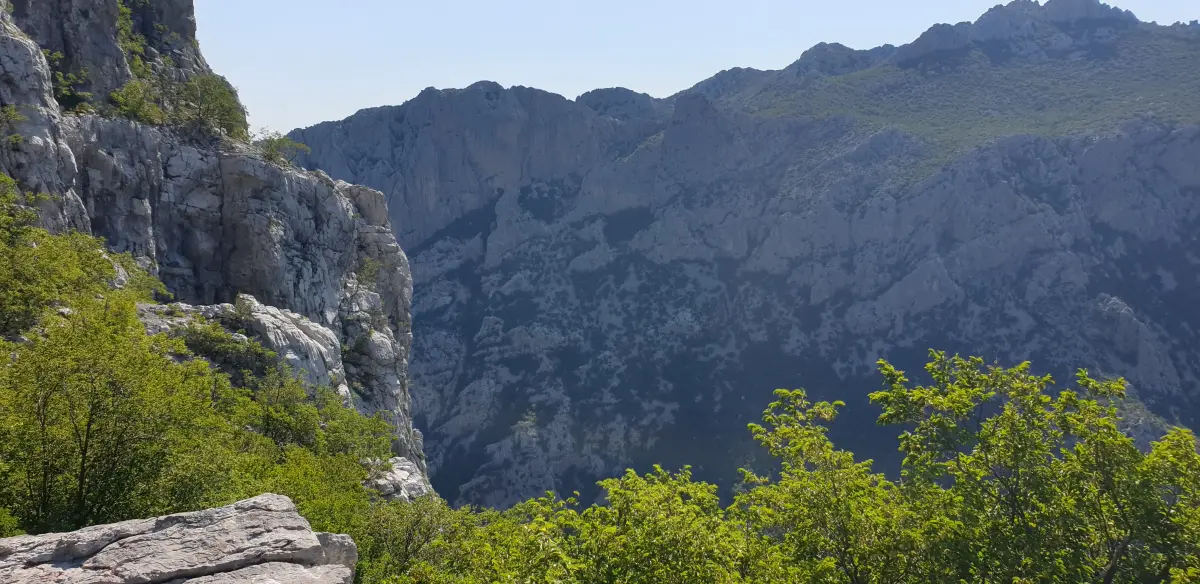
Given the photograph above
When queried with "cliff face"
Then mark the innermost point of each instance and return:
(619, 280)
(209, 216)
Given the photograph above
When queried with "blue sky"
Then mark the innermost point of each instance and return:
(300, 62)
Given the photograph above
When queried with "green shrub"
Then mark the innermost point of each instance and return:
(40, 271)
(137, 100)
(277, 148)
(209, 103)
(368, 271)
(241, 360)
(10, 116)
(66, 85)
(133, 44)
(8, 524)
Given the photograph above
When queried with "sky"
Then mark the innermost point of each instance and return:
(300, 62)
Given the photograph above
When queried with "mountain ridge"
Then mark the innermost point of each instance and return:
(600, 291)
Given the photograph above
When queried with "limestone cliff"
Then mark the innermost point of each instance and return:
(317, 258)
(621, 280)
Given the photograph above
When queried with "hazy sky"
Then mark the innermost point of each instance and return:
(299, 62)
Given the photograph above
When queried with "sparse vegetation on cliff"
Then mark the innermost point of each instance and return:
(277, 148)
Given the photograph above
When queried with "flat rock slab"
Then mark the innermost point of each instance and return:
(259, 540)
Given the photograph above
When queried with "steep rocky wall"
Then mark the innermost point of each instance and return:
(257, 540)
(209, 216)
(619, 280)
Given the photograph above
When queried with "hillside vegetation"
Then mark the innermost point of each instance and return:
(961, 99)
(1003, 480)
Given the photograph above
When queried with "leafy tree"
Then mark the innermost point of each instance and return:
(93, 413)
(834, 519)
(279, 149)
(663, 527)
(1042, 488)
(410, 538)
(209, 103)
(39, 270)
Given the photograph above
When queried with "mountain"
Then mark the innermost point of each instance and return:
(619, 280)
(312, 263)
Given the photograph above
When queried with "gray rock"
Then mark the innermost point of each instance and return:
(634, 294)
(258, 540)
(400, 481)
(210, 217)
(312, 351)
(85, 33)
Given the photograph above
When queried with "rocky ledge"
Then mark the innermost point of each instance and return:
(257, 540)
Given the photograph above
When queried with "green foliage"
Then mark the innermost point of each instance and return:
(958, 106)
(1043, 488)
(93, 411)
(39, 271)
(404, 539)
(368, 270)
(132, 43)
(277, 148)
(138, 101)
(10, 116)
(241, 360)
(208, 102)
(66, 85)
(1001, 483)
(205, 103)
(8, 524)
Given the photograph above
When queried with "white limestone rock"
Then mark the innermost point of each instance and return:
(255, 540)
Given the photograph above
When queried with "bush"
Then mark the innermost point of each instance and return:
(40, 271)
(279, 149)
(137, 100)
(95, 414)
(66, 85)
(8, 523)
(10, 116)
(208, 102)
(368, 271)
(242, 360)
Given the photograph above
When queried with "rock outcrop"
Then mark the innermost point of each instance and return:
(619, 281)
(316, 258)
(254, 541)
(401, 480)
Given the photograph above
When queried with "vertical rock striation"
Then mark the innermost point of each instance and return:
(314, 260)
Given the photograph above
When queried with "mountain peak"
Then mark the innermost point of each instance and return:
(1030, 29)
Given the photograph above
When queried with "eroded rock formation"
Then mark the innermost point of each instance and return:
(254, 541)
(316, 258)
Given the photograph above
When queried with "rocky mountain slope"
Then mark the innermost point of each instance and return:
(621, 280)
(257, 540)
(326, 284)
